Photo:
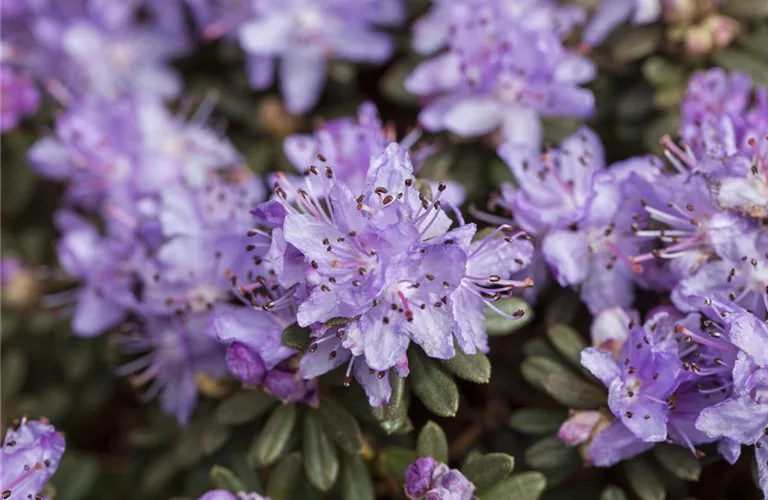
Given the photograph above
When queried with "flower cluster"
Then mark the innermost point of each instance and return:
(370, 271)
(29, 457)
(505, 67)
(684, 379)
(429, 480)
(302, 35)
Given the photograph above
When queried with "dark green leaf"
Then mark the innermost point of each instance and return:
(679, 461)
(637, 42)
(432, 442)
(225, 479)
(645, 478)
(246, 474)
(355, 480)
(393, 416)
(321, 463)
(574, 392)
(567, 342)
(341, 426)
(747, 9)
(12, 372)
(274, 437)
(495, 324)
(432, 385)
(76, 477)
(736, 60)
(396, 459)
(214, 437)
(285, 478)
(244, 406)
(612, 492)
(536, 368)
(537, 420)
(157, 473)
(487, 470)
(524, 486)
(473, 367)
(189, 448)
(296, 337)
(549, 453)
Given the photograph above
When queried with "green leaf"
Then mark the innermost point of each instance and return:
(156, 474)
(432, 385)
(245, 473)
(524, 486)
(495, 324)
(678, 461)
(189, 448)
(244, 406)
(747, 9)
(225, 479)
(321, 463)
(296, 337)
(637, 42)
(574, 392)
(567, 342)
(536, 368)
(393, 416)
(274, 437)
(76, 477)
(355, 481)
(473, 367)
(645, 478)
(432, 442)
(537, 420)
(396, 460)
(612, 492)
(736, 60)
(549, 453)
(285, 478)
(341, 426)
(13, 371)
(662, 71)
(487, 470)
(214, 437)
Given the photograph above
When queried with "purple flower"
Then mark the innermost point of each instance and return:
(743, 416)
(20, 97)
(30, 456)
(612, 13)
(227, 495)
(303, 35)
(83, 47)
(500, 73)
(171, 353)
(583, 214)
(426, 479)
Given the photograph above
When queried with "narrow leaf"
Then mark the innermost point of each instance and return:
(645, 478)
(341, 426)
(679, 461)
(321, 463)
(274, 437)
(524, 486)
(244, 406)
(536, 368)
(285, 478)
(549, 453)
(213, 437)
(537, 420)
(225, 479)
(432, 442)
(567, 342)
(487, 470)
(612, 492)
(473, 367)
(355, 481)
(296, 337)
(574, 392)
(495, 324)
(393, 416)
(432, 385)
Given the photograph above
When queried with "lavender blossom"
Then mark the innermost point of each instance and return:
(227, 495)
(612, 13)
(500, 72)
(303, 35)
(171, 353)
(583, 215)
(426, 479)
(30, 456)
(20, 97)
